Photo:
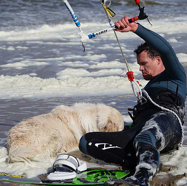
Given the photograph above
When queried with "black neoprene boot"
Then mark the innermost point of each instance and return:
(148, 163)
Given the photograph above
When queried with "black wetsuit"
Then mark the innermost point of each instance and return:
(153, 130)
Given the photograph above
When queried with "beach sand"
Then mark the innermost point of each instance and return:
(16, 110)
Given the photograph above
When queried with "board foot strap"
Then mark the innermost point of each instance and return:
(66, 167)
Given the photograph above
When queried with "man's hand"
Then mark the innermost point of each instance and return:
(124, 25)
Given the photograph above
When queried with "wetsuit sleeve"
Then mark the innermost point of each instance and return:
(172, 65)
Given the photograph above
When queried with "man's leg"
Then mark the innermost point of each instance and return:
(109, 147)
(161, 132)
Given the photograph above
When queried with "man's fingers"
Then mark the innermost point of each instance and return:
(120, 24)
(117, 24)
(125, 21)
(123, 25)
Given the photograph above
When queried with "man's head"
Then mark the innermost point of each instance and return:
(149, 60)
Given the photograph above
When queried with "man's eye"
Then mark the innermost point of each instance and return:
(143, 64)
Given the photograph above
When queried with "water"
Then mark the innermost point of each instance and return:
(19, 14)
(42, 61)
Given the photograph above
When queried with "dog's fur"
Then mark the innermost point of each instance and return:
(60, 130)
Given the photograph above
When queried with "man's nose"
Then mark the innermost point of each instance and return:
(141, 68)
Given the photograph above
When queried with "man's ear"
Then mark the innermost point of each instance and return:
(159, 60)
(160, 63)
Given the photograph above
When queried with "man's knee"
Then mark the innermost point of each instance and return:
(83, 145)
(145, 137)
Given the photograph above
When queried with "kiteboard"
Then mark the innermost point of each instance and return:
(88, 177)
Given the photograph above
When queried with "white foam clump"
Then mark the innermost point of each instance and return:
(69, 72)
(24, 63)
(167, 26)
(173, 40)
(182, 182)
(127, 119)
(41, 33)
(177, 159)
(25, 86)
(111, 64)
(11, 48)
(74, 64)
(90, 57)
(182, 57)
(39, 165)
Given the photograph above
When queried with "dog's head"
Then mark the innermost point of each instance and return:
(109, 119)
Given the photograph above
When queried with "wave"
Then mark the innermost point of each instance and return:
(70, 31)
(144, 2)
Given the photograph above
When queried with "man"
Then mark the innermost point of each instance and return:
(157, 118)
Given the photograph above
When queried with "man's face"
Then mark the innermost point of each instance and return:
(148, 66)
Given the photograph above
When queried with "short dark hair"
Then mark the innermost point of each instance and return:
(152, 53)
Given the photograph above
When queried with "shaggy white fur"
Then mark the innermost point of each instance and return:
(60, 130)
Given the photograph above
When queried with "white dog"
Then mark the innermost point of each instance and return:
(60, 130)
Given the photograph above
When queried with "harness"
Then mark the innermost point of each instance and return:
(164, 100)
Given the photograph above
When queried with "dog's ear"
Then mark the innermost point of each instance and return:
(110, 127)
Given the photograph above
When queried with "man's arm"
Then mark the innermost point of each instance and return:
(173, 68)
